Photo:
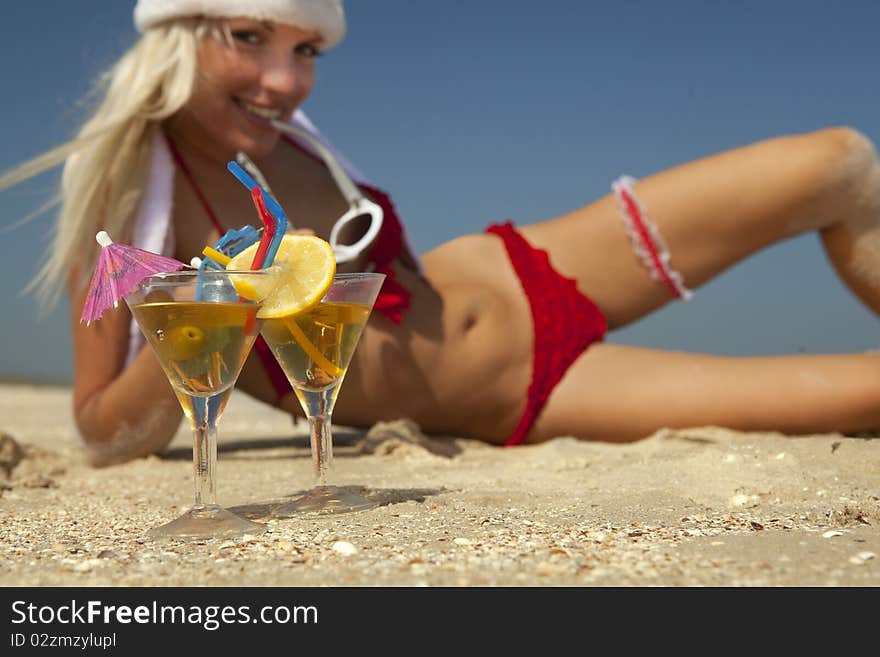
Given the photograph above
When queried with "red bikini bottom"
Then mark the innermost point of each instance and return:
(565, 322)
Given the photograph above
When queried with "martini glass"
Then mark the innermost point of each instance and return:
(201, 329)
(314, 348)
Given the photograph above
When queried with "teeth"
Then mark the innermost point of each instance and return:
(262, 112)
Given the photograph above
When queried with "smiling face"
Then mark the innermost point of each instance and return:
(263, 72)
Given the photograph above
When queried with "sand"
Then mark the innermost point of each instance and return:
(698, 507)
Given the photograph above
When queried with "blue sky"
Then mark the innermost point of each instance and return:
(491, 109)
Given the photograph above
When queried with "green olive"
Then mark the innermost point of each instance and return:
(185, 342)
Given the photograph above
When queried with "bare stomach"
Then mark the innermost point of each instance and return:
(459, 362)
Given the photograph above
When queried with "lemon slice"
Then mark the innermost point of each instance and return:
(253, 288)
(306, 267)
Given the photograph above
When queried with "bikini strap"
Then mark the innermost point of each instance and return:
(178, 159)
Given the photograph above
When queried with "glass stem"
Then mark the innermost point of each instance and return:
(319, 409)
(205, 414)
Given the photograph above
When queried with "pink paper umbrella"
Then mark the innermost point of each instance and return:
(118, 270)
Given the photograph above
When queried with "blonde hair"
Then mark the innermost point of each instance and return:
(106, 165)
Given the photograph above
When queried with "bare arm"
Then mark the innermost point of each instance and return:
(122, 412)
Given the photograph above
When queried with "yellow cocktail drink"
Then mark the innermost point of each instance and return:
(314, 347)
(201, 346)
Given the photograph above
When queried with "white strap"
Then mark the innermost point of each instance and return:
(359, 204)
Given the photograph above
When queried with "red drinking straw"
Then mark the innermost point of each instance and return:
(268, 220)
(269, 226)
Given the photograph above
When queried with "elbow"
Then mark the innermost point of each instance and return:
(111, 443)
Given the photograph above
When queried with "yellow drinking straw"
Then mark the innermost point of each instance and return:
(216, 256)
(313, 352)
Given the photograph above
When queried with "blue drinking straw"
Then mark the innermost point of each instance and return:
(233, 243)
(271, 204)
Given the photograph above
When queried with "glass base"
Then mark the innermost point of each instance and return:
(207, 522)
(325, 500)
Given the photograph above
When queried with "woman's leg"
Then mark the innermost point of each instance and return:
(716, 211)
(621, 393)
(713, 213)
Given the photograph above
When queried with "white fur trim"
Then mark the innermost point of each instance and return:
(153, 219)
(154, 213)
(325, 16)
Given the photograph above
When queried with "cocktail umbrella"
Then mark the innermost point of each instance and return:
(118, 270)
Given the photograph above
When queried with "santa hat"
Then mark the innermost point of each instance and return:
(326, 17)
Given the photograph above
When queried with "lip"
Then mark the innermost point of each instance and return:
(254, 119)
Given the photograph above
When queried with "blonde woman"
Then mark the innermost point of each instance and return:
(497, 336)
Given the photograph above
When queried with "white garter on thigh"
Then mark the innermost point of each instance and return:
(646, 239)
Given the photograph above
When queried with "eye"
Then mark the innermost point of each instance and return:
(249, 37)
(307, 50)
